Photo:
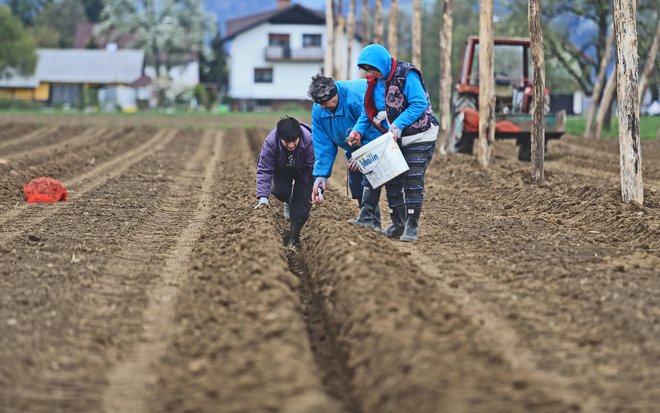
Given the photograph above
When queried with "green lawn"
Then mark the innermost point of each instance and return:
(648, 127)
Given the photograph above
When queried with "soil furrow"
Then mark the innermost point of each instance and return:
(240, 341)
(499, 332)
(128, 380)
(401, 333)
(84, 137)
(158, 287)
(335, 375)
(78, 187)
(22, 139)
(82, 312)
(64, 162)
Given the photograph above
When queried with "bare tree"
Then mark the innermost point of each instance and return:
(392, 32)
(366, 32)
(445, 74)
(339, 40)
(329, 62)
(350, 34)
(486, 84)
(538, 76)
(604, 106)
(650, 63)
(378, 22)
(625, 30)
(417, 34)
(596, 95)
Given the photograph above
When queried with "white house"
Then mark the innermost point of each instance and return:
(274, 54)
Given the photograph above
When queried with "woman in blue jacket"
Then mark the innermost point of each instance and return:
(396, 100)
(337, 106)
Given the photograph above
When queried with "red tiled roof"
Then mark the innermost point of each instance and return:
(85, 34)
(141, 81)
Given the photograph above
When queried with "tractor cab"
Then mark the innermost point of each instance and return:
(513, 97)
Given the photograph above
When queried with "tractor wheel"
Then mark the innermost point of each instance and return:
(525, 150)
(457, 142)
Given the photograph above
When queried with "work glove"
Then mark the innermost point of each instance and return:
(354, 139)
(320, 184)
(381, 116)
(352, 165)
(395, 131)
(263, 201)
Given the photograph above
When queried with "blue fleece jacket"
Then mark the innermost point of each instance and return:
(377, 56)
(330, 130)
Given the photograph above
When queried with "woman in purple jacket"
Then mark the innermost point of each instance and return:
(284, 168)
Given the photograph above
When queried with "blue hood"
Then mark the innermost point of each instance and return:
(377, 56)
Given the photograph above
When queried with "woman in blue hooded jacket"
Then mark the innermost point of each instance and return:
(397, 101)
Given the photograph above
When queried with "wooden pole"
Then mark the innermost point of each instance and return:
(392, 30)
(598, 86)
(329, 61)
(538, 90)
(625, 30)
(486, 84)
(605, 103)
(445, 74)
(366, 33)
(378, 22)
(650, 63)
(417, 34)
(350, 35)
(339, 41)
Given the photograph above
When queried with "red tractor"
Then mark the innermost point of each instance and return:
(513, 98)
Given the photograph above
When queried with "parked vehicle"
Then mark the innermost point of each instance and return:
(513, 98)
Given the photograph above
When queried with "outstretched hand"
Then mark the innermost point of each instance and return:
(263, 201)
(354, 139)
(352, 165)
(317, 192)
(396, 132)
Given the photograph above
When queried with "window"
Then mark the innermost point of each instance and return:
(311, 40)
(281, 40)
(263, 75)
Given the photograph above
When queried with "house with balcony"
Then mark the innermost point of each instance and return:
(274, 54)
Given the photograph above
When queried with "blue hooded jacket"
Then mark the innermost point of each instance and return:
(330, 130)
(377, 56)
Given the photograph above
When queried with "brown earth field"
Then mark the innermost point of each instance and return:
(158, 288)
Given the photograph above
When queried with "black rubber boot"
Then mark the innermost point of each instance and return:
(294, 234)
(398, 216)
(369, 216)
(412, 225)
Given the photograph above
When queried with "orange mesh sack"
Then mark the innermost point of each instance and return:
(44, 189)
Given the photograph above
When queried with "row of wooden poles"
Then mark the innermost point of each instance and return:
(625, 81)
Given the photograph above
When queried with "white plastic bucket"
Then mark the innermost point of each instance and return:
(380, 160)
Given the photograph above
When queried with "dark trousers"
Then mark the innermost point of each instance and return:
(355, 184)
(407, 189)
(290, 185)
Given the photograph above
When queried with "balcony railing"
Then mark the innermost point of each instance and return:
(285, 53)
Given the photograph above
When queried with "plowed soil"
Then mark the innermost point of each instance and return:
(158, 288)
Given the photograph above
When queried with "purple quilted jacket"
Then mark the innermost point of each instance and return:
(274, 157)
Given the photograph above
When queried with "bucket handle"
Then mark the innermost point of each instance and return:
(375, 164)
